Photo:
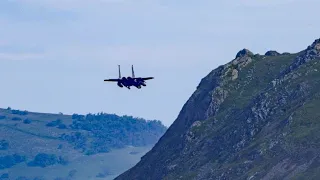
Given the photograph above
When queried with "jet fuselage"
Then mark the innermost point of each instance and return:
(129, 81)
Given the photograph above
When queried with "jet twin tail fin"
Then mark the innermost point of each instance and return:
(131, 70)
(133, 75)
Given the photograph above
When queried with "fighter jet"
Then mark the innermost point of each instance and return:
(130, 81)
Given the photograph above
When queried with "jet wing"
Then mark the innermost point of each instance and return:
(147, 78)
(112, 80)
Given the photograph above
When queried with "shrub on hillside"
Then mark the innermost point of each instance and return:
(27, 121)
(4, 145)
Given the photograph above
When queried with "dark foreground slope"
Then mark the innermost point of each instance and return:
(257, 117)
(80, 147)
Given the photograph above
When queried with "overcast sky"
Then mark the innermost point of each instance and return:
(54, 54)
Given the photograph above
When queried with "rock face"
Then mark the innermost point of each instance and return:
(254, 118)
(244, 52)
(272, 53)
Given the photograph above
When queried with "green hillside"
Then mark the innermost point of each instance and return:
(32, 144)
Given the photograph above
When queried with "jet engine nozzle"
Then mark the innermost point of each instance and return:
(119, 84)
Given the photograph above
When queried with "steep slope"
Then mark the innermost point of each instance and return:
(256, 117)
(81, 146)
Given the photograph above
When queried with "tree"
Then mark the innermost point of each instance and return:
(27, 121)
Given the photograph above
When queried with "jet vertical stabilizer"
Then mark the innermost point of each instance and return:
(132, 71)
(119, 72)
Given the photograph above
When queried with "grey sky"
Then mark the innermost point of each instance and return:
(54, 54)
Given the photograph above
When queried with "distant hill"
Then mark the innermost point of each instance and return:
(72, 146)
(254, 118)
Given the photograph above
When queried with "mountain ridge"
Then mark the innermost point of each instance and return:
(225, 127)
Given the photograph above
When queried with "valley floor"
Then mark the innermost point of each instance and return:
(108, 165)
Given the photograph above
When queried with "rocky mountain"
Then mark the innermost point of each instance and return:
(256, 117)
(44, 146)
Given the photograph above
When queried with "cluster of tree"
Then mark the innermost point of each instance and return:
(40, 160)
(112, 123)
(77, 139)
(44, 160)
(10, 160)
(18, 112)
(112, 131)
